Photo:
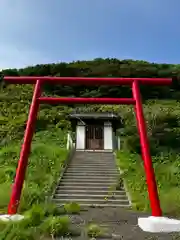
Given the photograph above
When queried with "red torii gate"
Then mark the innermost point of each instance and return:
(37, 99)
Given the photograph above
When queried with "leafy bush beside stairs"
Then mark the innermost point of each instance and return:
(43, 221)
(167, 171)
(45, 163)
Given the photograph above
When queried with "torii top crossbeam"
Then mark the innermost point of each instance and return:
(86, 80)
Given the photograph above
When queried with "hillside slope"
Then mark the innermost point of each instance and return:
(161, 115)
(162, 111)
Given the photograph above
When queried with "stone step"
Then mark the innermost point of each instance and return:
(95, 169)
(98, 156)
(81, 183)
(92, 170)
(101, 205)
(85, 180)
(85, 187)
(92, 166)
(89, 196)
(85, 158)
(90, 177)
(92, 201)
(98, 169)
(94, 155)
(89, 191)
(97, 153)
(91, 174)
(94, 160)
(94, 163)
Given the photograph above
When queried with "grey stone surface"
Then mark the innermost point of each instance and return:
(91, 179)
(119, 224)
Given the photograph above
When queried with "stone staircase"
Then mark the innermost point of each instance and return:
(91, 179)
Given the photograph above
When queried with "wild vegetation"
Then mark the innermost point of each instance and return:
(43, 221)
(45, 163)
(161, 109)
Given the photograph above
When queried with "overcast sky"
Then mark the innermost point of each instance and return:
(44, 31)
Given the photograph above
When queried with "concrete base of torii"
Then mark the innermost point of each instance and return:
(7, 217)
(159, 224)
(148, 224)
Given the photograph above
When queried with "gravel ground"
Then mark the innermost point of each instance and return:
(119, 223)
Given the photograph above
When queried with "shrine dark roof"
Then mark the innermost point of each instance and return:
(94, 115)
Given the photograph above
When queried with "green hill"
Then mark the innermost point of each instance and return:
(161, 108)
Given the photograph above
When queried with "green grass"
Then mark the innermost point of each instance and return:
(40, 222)
(95, 231)
(45, 163)
(167, 170)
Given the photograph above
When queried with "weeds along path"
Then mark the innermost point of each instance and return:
(167, 171)
(45, 163)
